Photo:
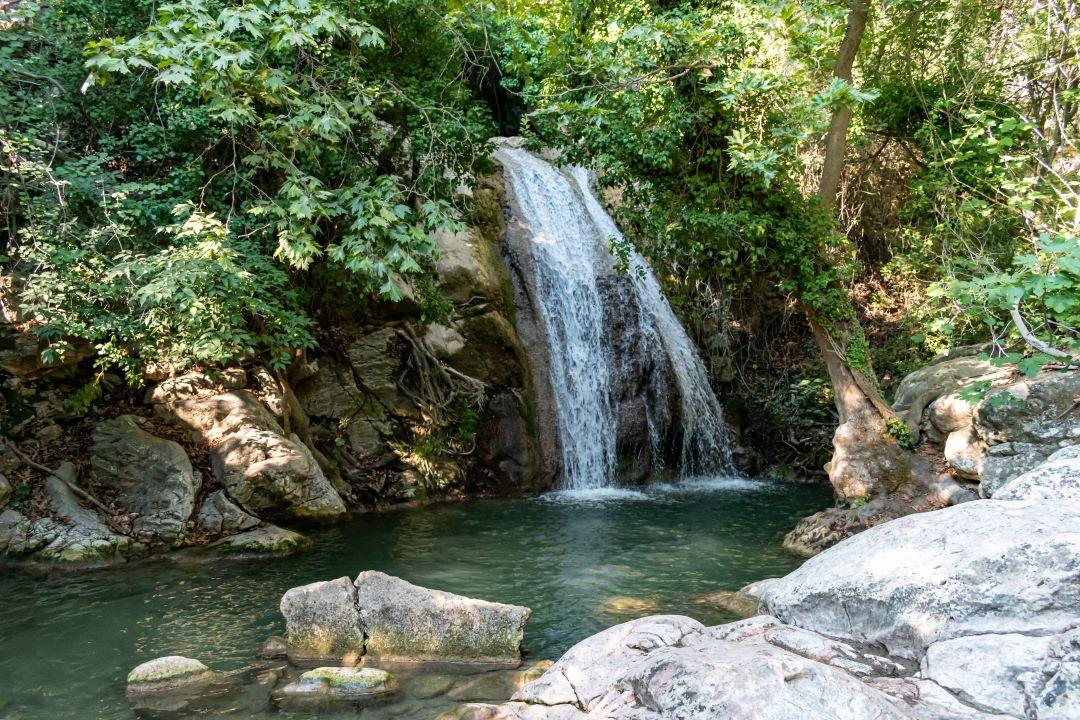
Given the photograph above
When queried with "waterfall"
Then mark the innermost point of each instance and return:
(583, 303)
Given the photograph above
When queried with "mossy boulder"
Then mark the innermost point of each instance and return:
(268, 540)
(342, 682)
(167, 674)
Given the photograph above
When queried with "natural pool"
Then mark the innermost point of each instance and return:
(581, 562)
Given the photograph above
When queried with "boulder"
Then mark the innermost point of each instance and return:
(274, 477)
(215, 417)
(14, 533)
(331, 392)
(80, 537)
(167, 674)
(376, 359)
(5, 490)
(194, 384)
(937, 379)
(266, 540)
(987, 671)
(672, 667)
(950, 413)
(982, 566)
(152, 476)
(322, 622)
(1055, 691)
(1044, 410)
(1007, 460)
(928, 700)
(415, 624)
(218, 514)
(964, 451)
(342, 682)
(1057, 478)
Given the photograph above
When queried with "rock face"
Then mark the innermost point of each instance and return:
(167, 674)
(322, 622)
(153, 476)
(342, 682)
(1057, 478)
(983, 566)
(406, 622)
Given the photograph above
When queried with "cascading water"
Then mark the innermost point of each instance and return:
(569, 237)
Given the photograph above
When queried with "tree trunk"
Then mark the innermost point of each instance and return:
(836, 139)
(866, 458)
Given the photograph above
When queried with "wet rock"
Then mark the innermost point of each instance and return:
(153, 476)
(342, 682)
(266, 540)
(218, 514)
(429, 686)
(972, 568)
(405, 622)
(274, 477)
(737, 603)
(167, 674)
(322, 622)
(987, 671)
(274, 647)
(1057, 478)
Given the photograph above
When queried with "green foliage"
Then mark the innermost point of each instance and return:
(313, 147)
(899, 431)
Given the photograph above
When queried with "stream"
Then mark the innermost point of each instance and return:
(582, 561)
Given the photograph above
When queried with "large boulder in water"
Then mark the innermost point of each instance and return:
(167, 674)
(153, 476)
(402, 621)
(322, 622)
(983, 566)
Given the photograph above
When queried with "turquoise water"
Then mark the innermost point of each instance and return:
(581, 562)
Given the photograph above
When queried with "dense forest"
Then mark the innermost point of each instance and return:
(194, 183)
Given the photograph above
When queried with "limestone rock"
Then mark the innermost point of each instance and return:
(331, 392)
(444, 342)
(81, 537)
(219, 514)
(406, 622)
(922, 387)
(987, 671)
(322, 622)
(166, 674)
(215, 417)
(928, 700)
(467, 267)
(586, 671)
(153, 476)
(1055, 692)
(672, 667)
(266, 540)
(1041, 410)
(376, 360)
(14, 533)
(5, 490)
(193, 384)
(964, 451)
(1058, 478)
(950, 413)
(982, 566)
(342, 682)
(1007, 460)
(274, 477)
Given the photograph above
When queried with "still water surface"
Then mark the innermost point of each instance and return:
(582, 562)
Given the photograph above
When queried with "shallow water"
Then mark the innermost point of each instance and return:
(581, 561)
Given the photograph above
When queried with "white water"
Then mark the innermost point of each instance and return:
(570, 233)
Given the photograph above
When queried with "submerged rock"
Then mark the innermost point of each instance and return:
(322, 622)
(983, 566)
(342, 682)
(167, 674)
(405, 622)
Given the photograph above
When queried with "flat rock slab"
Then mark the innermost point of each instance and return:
(407, 623)
(167, 674)
(980, 567)
(342, 682)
